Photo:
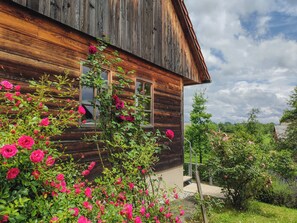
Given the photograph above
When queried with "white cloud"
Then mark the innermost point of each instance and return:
(257, 72)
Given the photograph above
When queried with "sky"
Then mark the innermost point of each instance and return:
(250, 49)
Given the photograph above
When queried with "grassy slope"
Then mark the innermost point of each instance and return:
(258, 213)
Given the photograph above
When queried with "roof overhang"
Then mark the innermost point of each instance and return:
(191, 37)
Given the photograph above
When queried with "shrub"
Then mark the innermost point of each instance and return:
(238, 169)
(39, 185)
(280, 193)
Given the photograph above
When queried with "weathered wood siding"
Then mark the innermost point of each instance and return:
(149, 29)
(31, 45)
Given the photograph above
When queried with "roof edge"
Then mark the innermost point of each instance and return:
(183, 16)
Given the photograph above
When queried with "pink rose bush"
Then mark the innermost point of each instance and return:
(35, 168)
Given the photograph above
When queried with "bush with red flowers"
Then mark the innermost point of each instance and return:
(38, 186)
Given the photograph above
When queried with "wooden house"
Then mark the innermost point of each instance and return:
(154, 37)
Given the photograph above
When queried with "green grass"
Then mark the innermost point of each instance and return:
(257, 213)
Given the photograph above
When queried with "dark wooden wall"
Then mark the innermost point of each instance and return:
(149, 29)
(31, 45)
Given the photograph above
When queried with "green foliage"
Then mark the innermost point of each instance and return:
(257, 213)
(282, 164)
(49, 186)
(238, 168)
(210, 203)
(281, 193)
(290, 116)
(198, 132)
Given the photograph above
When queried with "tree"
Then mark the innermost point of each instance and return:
(252, 123)
(290, 116)
(197, 133)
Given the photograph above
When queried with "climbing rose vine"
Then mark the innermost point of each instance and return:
(42, 184)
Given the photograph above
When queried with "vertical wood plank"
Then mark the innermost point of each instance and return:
(98, 17)
(21, 2)
(135, 21)
(106, 18)
(33, 4)
(92, 18)
(117, 23)
(84, 15)
(44, 7)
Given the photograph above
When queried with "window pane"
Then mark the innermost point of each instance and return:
(87, 95)
(147, 88)
(138, 87)
(147, 104)
(85, 69)
(104, 75)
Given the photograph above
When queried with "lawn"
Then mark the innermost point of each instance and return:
(257, 213)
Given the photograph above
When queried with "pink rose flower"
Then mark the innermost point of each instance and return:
(12, 173)
(87, 205)
(4, 218)
(118, 181)
(85, 173)
(81, 110)
(128, 211)
(83, 219)
(115, 98)
(8, 151)
(77, 190)
(9, 96)
(50, 161)
(161, 209)
(36, 174)
(37, 156)
(60, 177)
(7, 85)
(137, 220)
(17, 87)
(75, 211)
(54, 220)
(130, 118)
(92, 49)
(169, 134)
(131, 186)
(91, 166)
(26, 142)
(182, 212)
(88, 192)
(120, 105)
(142, 210)
(168, 215)
(44, 122)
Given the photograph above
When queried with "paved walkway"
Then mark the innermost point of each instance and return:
(213, 191)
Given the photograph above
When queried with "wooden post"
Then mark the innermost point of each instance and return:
(203, 210)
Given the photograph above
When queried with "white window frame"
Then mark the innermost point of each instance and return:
(151, 111)
(109, 80)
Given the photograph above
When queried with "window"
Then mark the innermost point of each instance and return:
(87, 98)
(145, 88)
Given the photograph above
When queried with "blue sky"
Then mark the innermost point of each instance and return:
(250, 48)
